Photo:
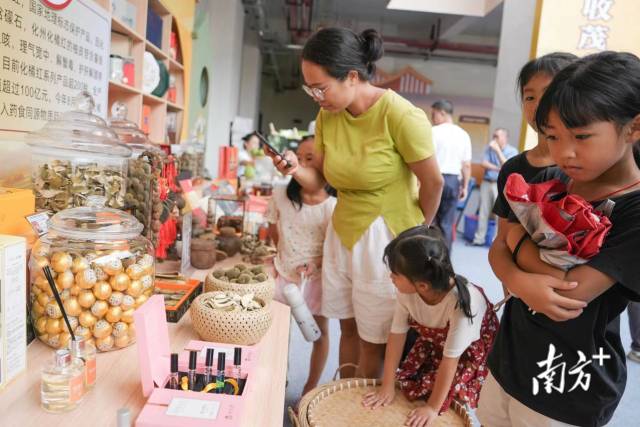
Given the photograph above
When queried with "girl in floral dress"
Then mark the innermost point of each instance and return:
(455, 322)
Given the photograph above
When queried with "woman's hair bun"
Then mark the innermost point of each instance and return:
(371, 45)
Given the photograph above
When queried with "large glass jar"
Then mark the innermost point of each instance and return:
(76, 157)
(103, 269)
(145, 173)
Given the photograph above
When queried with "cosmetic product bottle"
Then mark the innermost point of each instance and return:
(220, 374)
(191, 374)
(86, 352)
(62, 386)
(208, 368)
(124, 417)
(237, 363)
(173, 378)
(301, 313)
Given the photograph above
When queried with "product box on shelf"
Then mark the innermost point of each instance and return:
(178, 296)
(15, 205)
(125, 11)
(184, 408)
(13, 307)
(154, 28)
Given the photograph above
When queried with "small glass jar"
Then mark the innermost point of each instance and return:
(76, 157)
(62, 386)
(103, 269)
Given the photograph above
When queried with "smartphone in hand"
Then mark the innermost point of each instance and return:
(271, 148)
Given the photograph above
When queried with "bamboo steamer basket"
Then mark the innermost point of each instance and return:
(339, 404)
(262, 290)
(231, 327)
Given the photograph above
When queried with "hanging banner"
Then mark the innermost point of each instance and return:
(583, 27)
(50, 50)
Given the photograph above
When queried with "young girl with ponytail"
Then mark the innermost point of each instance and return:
(455, 322)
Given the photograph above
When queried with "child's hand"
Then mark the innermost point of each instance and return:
(424, 416)
(376, 399)
(514, 235)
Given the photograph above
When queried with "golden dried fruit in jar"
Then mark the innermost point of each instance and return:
(61, 261)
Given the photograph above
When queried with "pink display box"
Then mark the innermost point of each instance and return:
(154, 354)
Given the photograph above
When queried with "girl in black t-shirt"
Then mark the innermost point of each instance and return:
(533, 80)
(574, 371)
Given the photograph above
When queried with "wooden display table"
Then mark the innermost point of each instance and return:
(118, 382)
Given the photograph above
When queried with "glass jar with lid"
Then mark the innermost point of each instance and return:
(103, 268)
(76, 157)
(192, 158)
(145, 173)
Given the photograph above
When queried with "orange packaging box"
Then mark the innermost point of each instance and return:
(15, 205)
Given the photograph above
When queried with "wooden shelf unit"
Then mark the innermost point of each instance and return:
(133, 95)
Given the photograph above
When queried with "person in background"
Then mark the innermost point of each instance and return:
(496, 154)
(246, 162)
(453, 151)
(374, 147)
(633, 310)
(298, 221)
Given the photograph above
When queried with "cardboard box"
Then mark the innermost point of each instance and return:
(15, 205)
(125, 11)
(192, 288)
(13, 307)
(154, 355)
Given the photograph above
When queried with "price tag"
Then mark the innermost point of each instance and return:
(38, 222)
(192, 408)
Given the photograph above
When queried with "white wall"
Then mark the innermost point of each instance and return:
(251, 78)
(227, 25)
(515, 44)
(282, 109)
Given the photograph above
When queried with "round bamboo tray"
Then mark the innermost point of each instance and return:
(339, 404)
(232, 327)
(263, 290)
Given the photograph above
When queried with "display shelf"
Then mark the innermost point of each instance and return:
(174, 107)
(152, 99)
(158, 53)
(118, 88)
(155, 119)
(175, 65)
(121, 27)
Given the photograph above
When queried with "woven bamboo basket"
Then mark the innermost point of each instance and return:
(263, 290)
(339, 404)
(232, 327)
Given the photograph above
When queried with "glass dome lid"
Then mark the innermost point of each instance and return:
(126, 130)
(94, 221)
(79, 130)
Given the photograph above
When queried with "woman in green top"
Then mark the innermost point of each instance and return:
(372, 144)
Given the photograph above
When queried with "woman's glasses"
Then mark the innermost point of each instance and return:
(314, 92)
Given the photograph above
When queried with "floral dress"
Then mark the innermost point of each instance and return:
(417, 373)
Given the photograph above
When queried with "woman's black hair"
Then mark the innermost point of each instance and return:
(421, 255)
(604, 86)
(549, 64)
(340, 50)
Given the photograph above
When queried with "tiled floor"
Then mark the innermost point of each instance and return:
(472, 263)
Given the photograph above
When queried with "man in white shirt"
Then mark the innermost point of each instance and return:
(453, 151)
